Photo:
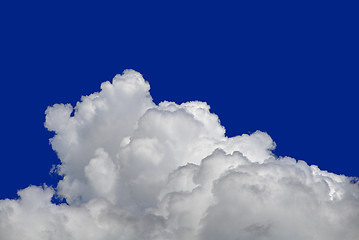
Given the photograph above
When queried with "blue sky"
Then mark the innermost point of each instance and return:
(289, 69)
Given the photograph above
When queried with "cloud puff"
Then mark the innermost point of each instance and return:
(136, 170)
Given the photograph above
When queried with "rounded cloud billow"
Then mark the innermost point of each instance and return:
(136, 170)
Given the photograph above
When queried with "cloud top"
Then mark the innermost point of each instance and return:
(136, 170)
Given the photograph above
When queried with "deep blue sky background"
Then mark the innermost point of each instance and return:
(284, 67)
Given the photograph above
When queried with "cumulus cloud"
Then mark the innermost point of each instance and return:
(136, 170)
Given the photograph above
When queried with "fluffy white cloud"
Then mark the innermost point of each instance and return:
(136, 170)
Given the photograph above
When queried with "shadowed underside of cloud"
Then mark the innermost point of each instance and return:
(136, 170)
